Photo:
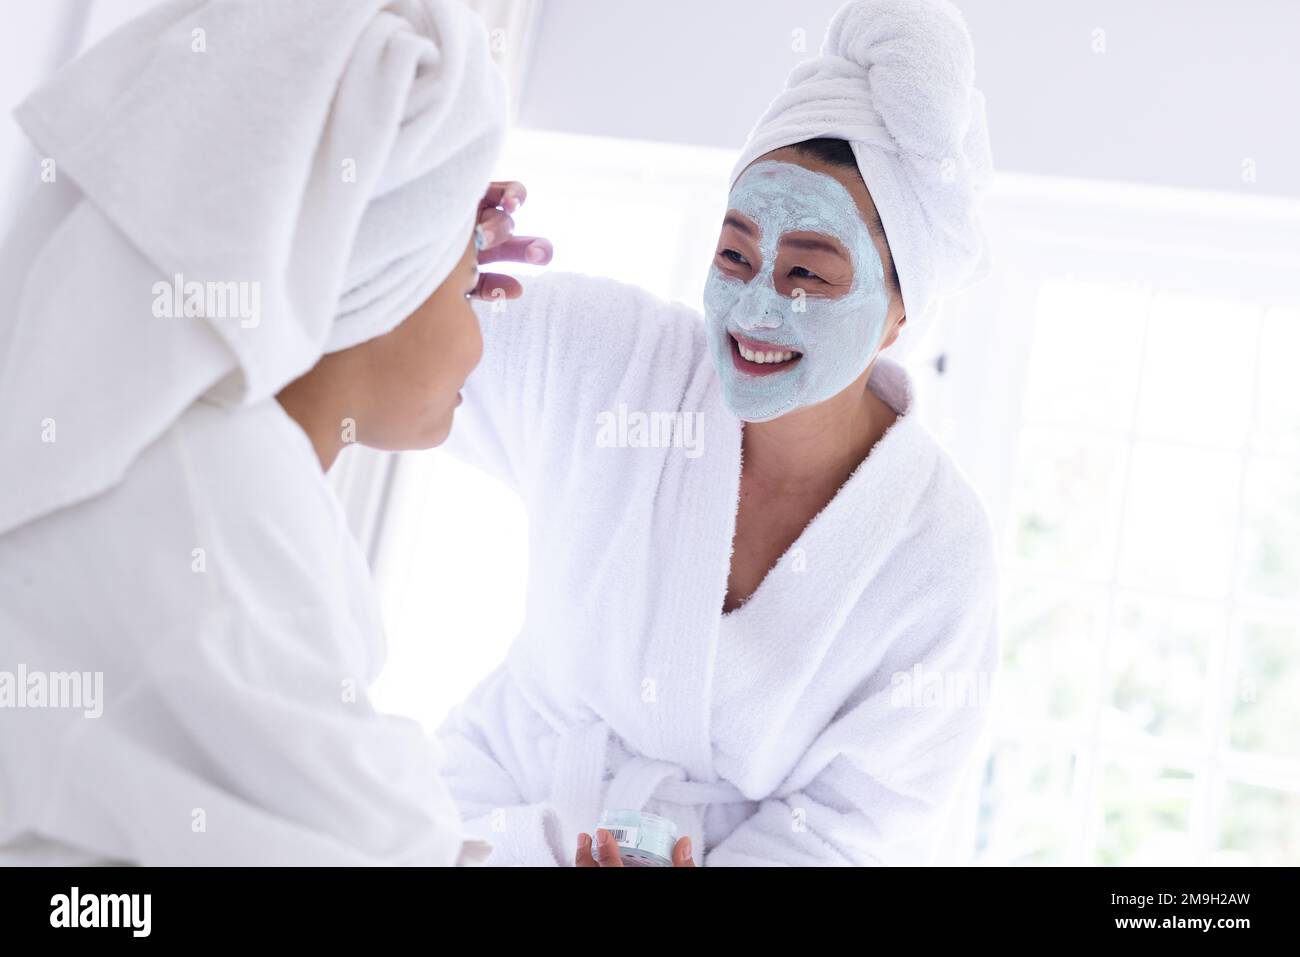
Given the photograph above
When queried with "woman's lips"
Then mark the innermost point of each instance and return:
(752, 346)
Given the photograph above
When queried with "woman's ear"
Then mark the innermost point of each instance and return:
(894, 330)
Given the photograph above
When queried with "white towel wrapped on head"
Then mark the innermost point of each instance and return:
(329, 154)
(895, 78)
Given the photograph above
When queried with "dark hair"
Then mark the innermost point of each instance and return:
(835, 152)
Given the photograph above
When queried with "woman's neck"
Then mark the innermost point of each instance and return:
(310, 402)
(819, 445)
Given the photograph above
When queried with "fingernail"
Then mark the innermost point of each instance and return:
(581, 842)
(602, 838)
(535, 253)
(686, 849)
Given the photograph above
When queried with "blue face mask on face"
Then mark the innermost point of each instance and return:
(836, 338)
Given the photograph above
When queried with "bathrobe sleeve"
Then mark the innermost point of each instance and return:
(236, 728)
(552, 360)
(246, 746)
(873, 788)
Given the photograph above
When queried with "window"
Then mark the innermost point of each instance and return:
(1149, 706)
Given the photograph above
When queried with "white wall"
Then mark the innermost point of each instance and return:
(38, 36)
(1184, 92)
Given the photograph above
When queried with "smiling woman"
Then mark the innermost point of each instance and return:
(676, 659)
(804, 294)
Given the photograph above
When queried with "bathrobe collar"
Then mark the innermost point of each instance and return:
(781, 636)
(804, 600)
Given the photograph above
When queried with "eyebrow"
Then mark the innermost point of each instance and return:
(733, 220)
(813, 245)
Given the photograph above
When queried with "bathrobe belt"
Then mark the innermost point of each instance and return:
(579, 793)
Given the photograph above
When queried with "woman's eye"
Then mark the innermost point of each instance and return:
(734, 256)
(800, 272)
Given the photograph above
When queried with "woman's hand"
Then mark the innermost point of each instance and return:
(607, 851)
(497, 242)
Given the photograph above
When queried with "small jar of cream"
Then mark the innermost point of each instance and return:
(644, 840)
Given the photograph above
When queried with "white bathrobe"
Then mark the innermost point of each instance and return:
(825, 721)
(218, 592)
(220, 596)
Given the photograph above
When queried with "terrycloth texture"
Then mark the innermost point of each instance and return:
(773, 734)
(220, 595)
(327, 153)
(895, 78)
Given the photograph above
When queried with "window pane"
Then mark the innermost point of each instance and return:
(1068, 495)
(1157, 663)
(1025, 817)
(1180, 520)
(1145, 815)
(1198, 378)
(1085, 333)
(1271, 527)
(1261, 827)
(1277, 402)
(451, 584)
(1266, 692)
(1050, 653)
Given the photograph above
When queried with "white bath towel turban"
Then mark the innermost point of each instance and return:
(329, 154)
(895, 78)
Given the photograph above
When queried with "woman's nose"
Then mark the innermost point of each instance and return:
(761, 306)
(760, 316)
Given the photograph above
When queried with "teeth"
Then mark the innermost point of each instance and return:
(763, 357)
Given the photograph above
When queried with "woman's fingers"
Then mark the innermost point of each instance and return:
(583, 856)
(682, 853)
(496, 241)
(494, 227)
(495, 285)
(607, 849)
(609, 856)
(508, 194)
(519, 249)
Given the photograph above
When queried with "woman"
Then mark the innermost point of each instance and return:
(248, 259)
(773, 623)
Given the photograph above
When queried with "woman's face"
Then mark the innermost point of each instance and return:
(405, 385)
(796, 304)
